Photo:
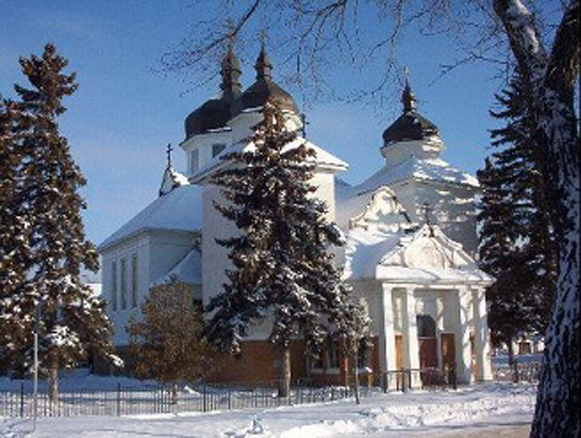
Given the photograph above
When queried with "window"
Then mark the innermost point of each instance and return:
(134, 284)
(114, 285)
(123, 284)
(217, 148)
(194, 164)
(333, 355)
(426, 326)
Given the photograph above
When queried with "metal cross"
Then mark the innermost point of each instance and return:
(168, 152)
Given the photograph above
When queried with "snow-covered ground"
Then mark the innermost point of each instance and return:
(496, 409)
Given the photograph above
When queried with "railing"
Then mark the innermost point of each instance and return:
(161, 399)
(529, 372)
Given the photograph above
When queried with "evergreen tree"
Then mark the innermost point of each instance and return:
(167, 344)
(14, 234)
(518, 241)
(71, 320)
(281, 264)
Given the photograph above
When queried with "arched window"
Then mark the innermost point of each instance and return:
(426, 326)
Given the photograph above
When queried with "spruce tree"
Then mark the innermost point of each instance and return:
(518, 241)
(14, 235)
(282, 268)
(70, 319)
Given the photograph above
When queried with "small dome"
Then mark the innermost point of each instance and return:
(263, 89)
(410, 125)
(215, 113)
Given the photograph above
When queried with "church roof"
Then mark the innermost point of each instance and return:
(424, 256)
(410, 125)
(322, 158)
(215, 113)
(263, 89)
(178, 210)
(428, 169)
(187, 270)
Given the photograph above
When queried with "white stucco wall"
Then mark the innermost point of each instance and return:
(156, 253)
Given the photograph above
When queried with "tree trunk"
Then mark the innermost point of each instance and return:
(53, 383)
(512, 362)
(285, 372)
(174, 393)
(554, 76)
(355, 359)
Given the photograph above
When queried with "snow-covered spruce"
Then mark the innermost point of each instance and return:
(518, 245)
(281, 263)
(554, 74)
(41, 267)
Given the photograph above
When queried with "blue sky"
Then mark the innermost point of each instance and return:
(126, 110)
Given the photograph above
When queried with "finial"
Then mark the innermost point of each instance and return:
(427, 210)
(305, 123)
(168, 152)
(230, 68)
(408, 99)
(263, 65)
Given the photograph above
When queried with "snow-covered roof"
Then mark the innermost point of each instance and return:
(322, 158)
(187, 270)
(180, 209)
(423, 256)
(430, 169)
(172, 179)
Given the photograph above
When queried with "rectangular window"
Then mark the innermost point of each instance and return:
(123, 284)
(333, 355)
(114, 285)
(217, 148)
(134, 280)
(194, 165)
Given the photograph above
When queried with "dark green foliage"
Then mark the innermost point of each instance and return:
(282, 267)
(518, 241)
(42, 184)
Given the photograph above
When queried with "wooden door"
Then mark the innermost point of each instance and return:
(399, 352)
(448, 350)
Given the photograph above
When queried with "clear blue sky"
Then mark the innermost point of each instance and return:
(126, 111)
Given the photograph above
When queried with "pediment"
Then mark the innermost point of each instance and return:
(383, 213)
(428, 248)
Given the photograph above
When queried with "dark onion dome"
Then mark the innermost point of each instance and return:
(410, 125)
(263, 89)
(215, 113)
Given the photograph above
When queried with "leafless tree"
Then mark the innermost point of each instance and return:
(540, 39)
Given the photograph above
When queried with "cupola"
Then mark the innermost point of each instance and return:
(263, 89)
(410, 125)
(215, 113)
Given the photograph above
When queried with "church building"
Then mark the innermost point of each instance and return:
(410, 228)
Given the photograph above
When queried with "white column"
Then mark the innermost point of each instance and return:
(481, 336)
(387, 359)
(463, 350)
(439, 327)
(411, 355)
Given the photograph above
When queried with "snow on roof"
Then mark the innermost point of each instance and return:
(180, 209)
(172, 179)
(431, 169)
(323, 158)
(425, 256)
(187, 270)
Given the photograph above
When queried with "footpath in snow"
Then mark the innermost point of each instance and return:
(430, 414)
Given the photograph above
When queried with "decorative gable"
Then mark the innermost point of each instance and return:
(382, 214)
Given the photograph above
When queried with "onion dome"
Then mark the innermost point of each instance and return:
(264, 89)
(215, 113)
(410, 125)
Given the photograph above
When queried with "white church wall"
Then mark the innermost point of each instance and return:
(167, 248)
(214, 257)
(134, 249)
(325, 183)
